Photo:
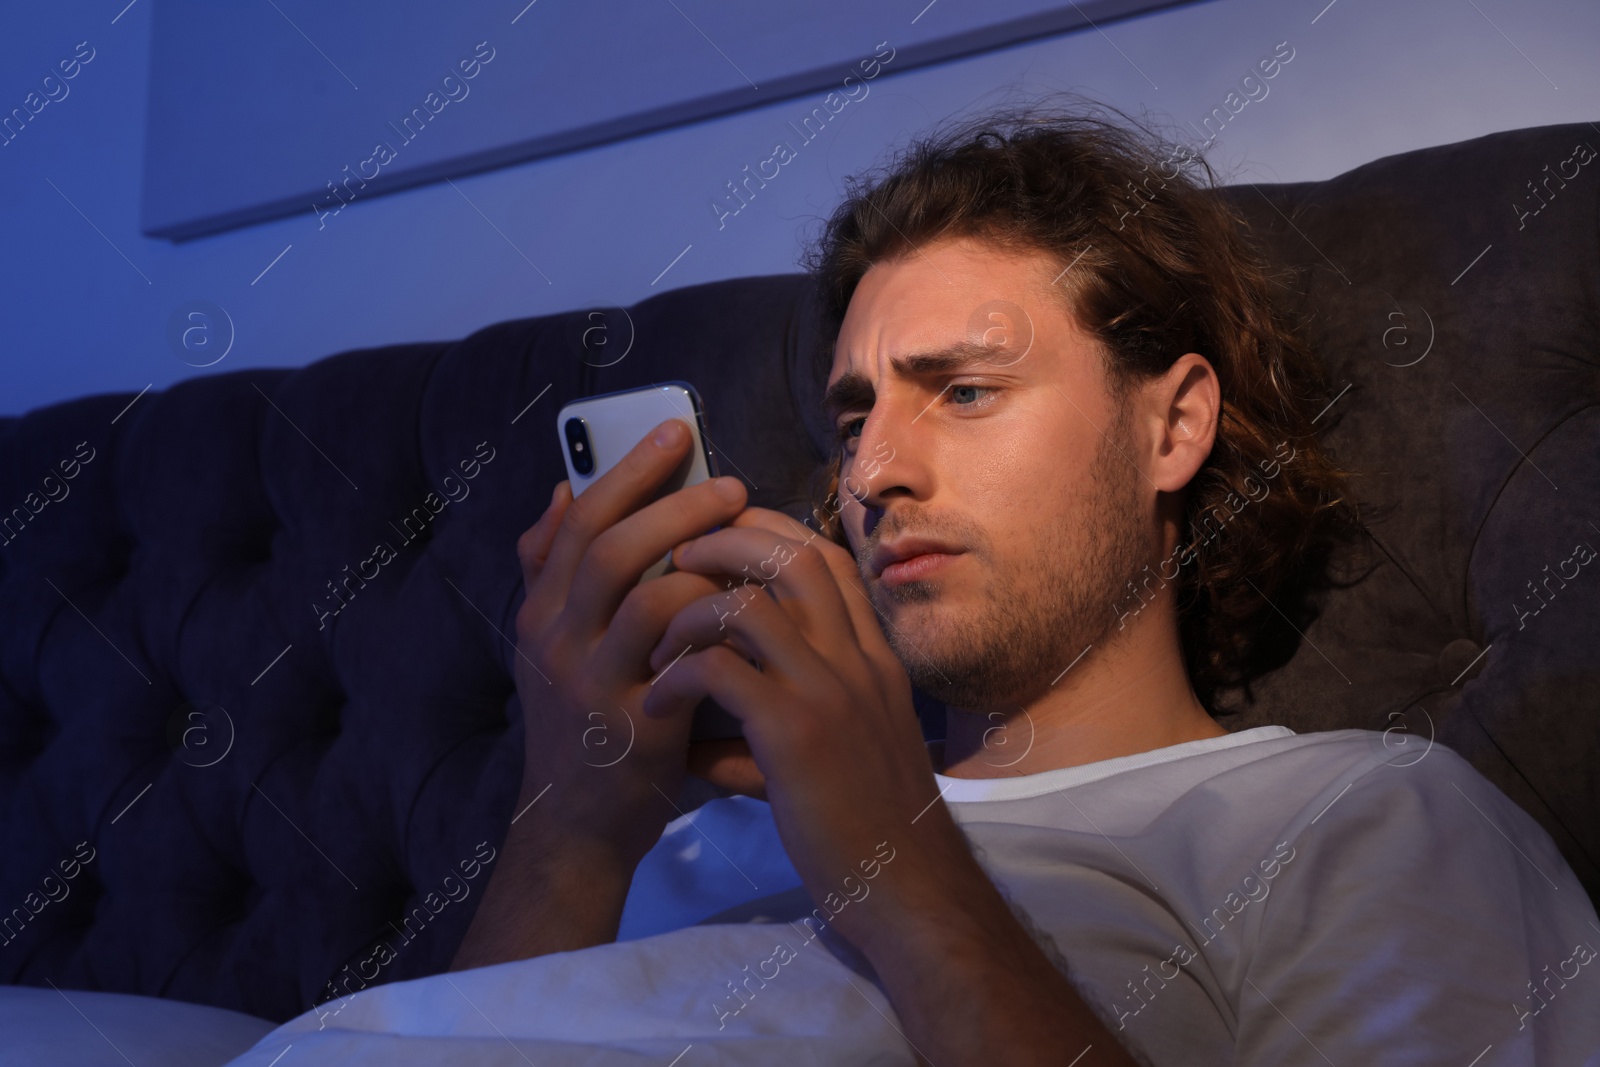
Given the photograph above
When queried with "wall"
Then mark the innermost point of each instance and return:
(89, 305)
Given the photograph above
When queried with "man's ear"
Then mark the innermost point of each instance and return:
(1187, 401)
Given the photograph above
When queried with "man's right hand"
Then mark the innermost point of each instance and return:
(600, 780)
(584, 636)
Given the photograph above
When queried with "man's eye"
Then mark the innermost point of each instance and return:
(963, 389)
(962, 395)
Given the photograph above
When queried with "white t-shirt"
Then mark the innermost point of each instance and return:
(1259, 898)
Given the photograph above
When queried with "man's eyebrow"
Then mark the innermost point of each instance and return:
(855, 390)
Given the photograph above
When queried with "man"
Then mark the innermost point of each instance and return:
(1077, 468)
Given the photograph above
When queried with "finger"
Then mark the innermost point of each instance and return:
(864, 616)
(641, 621)
(757, 628)
(776, 521)
(867, 620)
(611, 567)
(619, 492)
(719, 673)
(797, 576)
(713, 613)
(629, 486)
(728, 764)
(533, 547)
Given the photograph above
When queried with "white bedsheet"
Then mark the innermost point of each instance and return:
(663, 988)
(649, 1000)
(1260, 898)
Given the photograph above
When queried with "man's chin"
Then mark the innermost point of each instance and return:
(907, 594)
(964, 656)
(925, 633)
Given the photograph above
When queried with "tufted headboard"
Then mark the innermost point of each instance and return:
(259, 741)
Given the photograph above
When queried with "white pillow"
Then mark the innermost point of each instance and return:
(74, 1028)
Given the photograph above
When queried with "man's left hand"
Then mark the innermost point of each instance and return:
(828, 717)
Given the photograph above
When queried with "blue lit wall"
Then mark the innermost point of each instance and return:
(91, 305)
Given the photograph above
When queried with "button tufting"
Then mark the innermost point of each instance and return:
(257, 548)
(331, 720)
(240, 895)
(1461, 661)
(118, 557)
(31, 733)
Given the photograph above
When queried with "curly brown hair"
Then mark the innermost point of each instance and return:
(1159, 266)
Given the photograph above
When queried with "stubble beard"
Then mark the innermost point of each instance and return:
(1038, 614)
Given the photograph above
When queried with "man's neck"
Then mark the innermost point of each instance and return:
(1133, 697)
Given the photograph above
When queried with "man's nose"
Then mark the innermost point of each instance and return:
(882, 464)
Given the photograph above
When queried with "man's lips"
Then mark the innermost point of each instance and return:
(901, 555)
(917, 567)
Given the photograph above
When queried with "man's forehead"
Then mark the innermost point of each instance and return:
(952, 293)
(850, 385)
(994, 334)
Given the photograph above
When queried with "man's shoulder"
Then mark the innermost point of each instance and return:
(1271, 785)
(1347, 755)
(1374, 782)
(1363, 797)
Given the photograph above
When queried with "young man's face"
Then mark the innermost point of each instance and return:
(1002, 460)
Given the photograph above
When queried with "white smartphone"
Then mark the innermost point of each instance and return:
(598, 431)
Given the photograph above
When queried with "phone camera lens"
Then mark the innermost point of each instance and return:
(578, 445)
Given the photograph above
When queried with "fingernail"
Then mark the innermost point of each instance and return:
(727, 488)
(670, 433)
